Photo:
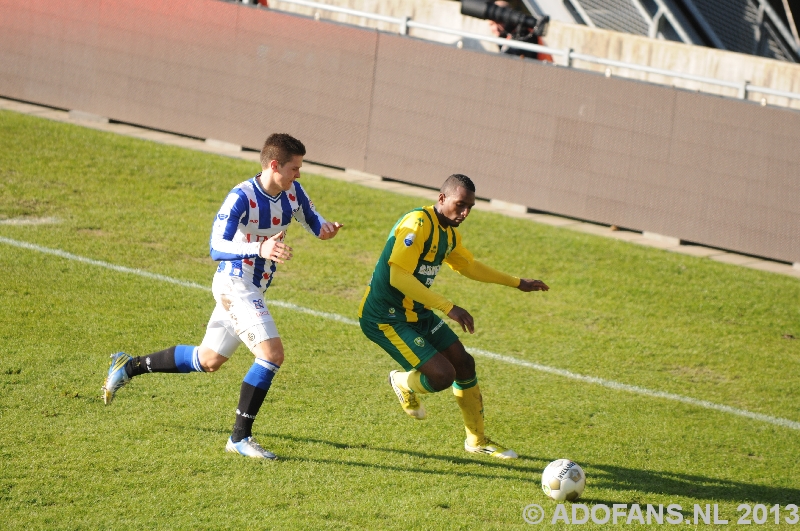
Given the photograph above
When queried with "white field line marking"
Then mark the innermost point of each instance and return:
(480, 352)
(30, 221)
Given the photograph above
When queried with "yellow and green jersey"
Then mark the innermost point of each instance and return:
(418, 244)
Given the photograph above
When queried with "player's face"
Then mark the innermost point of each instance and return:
(455, 206)
(284, 175)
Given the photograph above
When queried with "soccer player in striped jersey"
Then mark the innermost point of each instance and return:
(396, 311)
(247, 238)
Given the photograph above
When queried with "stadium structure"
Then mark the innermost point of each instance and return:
(766, 28)
(635, 140)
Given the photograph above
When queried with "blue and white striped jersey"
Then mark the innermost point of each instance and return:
(249, 216)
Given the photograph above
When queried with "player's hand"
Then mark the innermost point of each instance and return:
(462, 317)
(528, 284)
(329, 230)
(274, 249)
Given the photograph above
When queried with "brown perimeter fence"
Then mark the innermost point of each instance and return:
(706, 169)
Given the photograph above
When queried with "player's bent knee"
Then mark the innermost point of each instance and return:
(210, 360)
(270, 350)
(460, 358)
(264, 342)
(442, 379)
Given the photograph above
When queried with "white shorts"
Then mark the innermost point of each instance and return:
(240, 316)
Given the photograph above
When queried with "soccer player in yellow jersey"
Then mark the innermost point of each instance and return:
(396, 311)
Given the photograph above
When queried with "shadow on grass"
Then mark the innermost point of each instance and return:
(526, 464)
(685, 485)
(611, 477)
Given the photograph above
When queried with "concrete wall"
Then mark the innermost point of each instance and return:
(685, 58)
(696, 60)
(716, 171)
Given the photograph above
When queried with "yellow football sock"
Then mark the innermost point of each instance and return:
(411, 380)
(471, 403)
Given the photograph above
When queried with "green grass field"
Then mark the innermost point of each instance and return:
(350, 459)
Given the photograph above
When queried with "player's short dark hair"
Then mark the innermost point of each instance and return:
(456, 180)
(281, 147)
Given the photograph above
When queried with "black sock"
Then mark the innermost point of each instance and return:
(250, 400)
(163, 361)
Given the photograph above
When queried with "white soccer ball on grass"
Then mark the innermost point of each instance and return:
(563, 480)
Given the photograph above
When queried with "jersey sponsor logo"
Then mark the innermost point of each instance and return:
(419, 342)
(437, 327)
(222, 217)
(260, 314)
(429, 270)
(253, 221)
(258, 303)
(410, 239)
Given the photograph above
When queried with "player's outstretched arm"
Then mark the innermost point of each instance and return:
(529, 284)
(479, 271)
(329, 229)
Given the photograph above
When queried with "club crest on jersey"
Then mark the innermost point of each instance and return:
(419, 342)
(258, 303)
(410, 239)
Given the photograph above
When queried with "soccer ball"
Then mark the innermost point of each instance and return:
(563, 480)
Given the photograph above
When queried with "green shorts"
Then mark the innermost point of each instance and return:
(411, 344)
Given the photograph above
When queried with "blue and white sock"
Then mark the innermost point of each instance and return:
(180, 358)
(254, 389)
(187, 359)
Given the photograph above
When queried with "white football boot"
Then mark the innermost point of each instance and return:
(248, 447)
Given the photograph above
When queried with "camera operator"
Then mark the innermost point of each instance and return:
(498, 30)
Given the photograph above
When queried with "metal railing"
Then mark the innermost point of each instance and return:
(743, 88)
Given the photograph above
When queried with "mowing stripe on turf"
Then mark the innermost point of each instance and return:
(480, 352)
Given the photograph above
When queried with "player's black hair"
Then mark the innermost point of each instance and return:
(456, 180)
(281, 147)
